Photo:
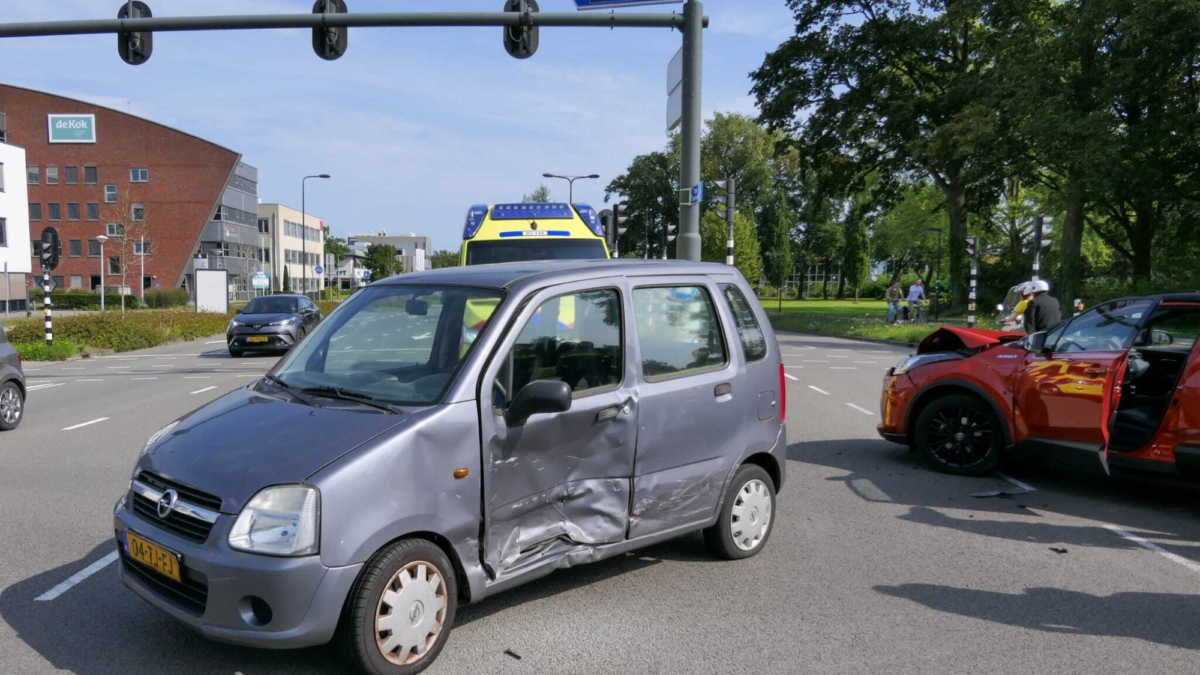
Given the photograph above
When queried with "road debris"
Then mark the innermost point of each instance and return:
(516, 655)
(1008, 492)
(1058, 549)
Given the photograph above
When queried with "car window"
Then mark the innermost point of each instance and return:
(1110, 327)
(269, 305)
(399, 344)
(678, 330)
(573, 338)
(1171, 327)
(754, 344)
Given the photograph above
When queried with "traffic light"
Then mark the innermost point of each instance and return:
(606, 223)
(521, 42)
(619, 219)
(330, 43)
(727, 207)
(972, 246)
(51, 249)
(669, 230)
(135, 47)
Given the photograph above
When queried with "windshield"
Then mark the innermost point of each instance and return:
(524, 249)
(270, 305)
(397, 344)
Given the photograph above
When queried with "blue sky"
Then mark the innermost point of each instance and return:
(414, 125)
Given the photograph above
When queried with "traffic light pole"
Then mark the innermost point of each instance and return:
(46, 302)
(687, 247)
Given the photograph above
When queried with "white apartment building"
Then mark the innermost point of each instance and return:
(297, 246)
(16, 249)
(413, 250)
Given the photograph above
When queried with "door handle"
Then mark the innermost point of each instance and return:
(723, 389)
(608, 413)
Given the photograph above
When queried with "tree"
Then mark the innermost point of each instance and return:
(897, 88)
(777, 221)
(336, 246)
(737, 146)
(714, 233)
(382, 261)
(540, 194)
(648, 187)
(899, 235)
(126, 224)
(856, 246)
(441, 259)
(287, 280)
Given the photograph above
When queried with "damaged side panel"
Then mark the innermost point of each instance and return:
(685, 494)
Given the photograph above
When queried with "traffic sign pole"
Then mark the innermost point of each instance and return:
(688, 245)
(46, 307)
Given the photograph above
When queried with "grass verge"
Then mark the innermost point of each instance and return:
(38, 351)
(861, 328)
(146, 328)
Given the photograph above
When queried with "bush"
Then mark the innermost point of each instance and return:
(38, 351)
(84, 300)
(158, 298)
(874, 289)
(327, 306)
(121, 334)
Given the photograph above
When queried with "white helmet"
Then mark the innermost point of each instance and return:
(1025, 288)
(1041, 286)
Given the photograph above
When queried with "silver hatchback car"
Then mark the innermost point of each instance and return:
(12, 385)
(447, 435)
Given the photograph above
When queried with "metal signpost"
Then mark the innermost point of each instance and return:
(973, 254)
(51, 249)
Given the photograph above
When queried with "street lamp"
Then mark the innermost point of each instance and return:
(570, 183)
(102, 239)
(937, 306)
(304, 228)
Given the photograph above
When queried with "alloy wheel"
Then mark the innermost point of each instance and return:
(750, 518)
(960, 437)
(411, 613)
(10, 405)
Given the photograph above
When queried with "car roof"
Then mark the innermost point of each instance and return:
(1181, 296)
(509, 275)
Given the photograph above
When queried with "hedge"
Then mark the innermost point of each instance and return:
(159, 298)
(124, 333)
(86, 300)
(38, 351)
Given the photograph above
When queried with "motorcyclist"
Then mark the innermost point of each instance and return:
(1014, 321)
(1043, 311)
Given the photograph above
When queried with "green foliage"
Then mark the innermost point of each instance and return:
(856, 247)
(382, 261)
(441, 259)
(83, 300)
(874, 329)
(648, 187)
(160, 298)
(735, 145)
(775, 223)
(38, 351)
(335, 246)
(327, 306)
(713, 236)
(540, 194)
(287, 280)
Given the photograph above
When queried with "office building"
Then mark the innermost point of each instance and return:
(296, 244)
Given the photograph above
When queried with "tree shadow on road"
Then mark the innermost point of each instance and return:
(1164, 618)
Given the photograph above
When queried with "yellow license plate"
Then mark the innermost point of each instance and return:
(257, 338)
(159, 559)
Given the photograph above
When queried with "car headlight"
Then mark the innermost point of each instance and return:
(234, 323)
(908, 363)
(285, 322)
(158, 436)
(282, 520)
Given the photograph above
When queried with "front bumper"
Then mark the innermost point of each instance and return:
(304, 596)
(277, 338)
(898, 391)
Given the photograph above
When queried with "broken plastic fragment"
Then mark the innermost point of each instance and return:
(1010, 492)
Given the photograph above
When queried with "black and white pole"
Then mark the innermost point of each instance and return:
(973, 253)
(46, 304)
(726, 206)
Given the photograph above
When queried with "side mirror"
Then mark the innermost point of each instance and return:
(1036, 342)
(538, 397)
(239, 310)
(1161, 338)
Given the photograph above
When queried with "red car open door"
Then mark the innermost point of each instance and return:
(1066, 395)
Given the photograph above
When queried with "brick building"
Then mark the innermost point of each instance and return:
(95, 171)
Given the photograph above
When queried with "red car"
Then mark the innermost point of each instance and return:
(1117, 387)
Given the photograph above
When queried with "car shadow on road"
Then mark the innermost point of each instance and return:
(99, 627)
(1154, 617)
(882, 472)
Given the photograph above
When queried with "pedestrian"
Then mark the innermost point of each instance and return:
(916, 294)
(893, 295)
(1043, 311)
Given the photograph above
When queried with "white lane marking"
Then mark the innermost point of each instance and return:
(1151, 546)
(249, 375)
(866, 362)
(163, 365)
(843, 367)
(142, 378)
(791, 377)
(800, 367)
(215, 342)
(836, 356)
(198, 377)
(90, 380)
(166, 357)
(814, 361)
(30, 370)
(114, 367)
(74, 369)
(201, 391)
(861, 409)
(818, 390)
(85, 424)
(79, 576)
(38, 387)
(1014, 481)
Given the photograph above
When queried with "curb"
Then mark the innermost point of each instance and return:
(877, 341)
(108, 352)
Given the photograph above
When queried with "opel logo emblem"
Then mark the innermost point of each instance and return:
(166, 503)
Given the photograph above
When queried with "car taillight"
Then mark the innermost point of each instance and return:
(782, 395)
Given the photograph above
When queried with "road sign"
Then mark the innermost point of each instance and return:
(200, 264)
(260, 280)
(675, 71)
(611, 4)
(318, 269)
(675, 109)
(51, 284)
(696, 194)
(675, 90)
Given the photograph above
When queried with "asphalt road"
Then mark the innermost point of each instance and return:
(876, 563)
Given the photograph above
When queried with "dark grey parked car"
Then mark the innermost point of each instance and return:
(447, 435)
(271, 323)
(12, 385)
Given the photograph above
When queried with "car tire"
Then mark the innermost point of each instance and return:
(362, 639)
(236, 353)
(750, 499)
(12, 406)
(959, 434)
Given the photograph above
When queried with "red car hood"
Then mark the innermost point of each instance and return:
(953, 338)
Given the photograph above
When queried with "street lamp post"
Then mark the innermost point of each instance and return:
(570, 183)
(937, 305)
(304, 228)
(103, 262)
